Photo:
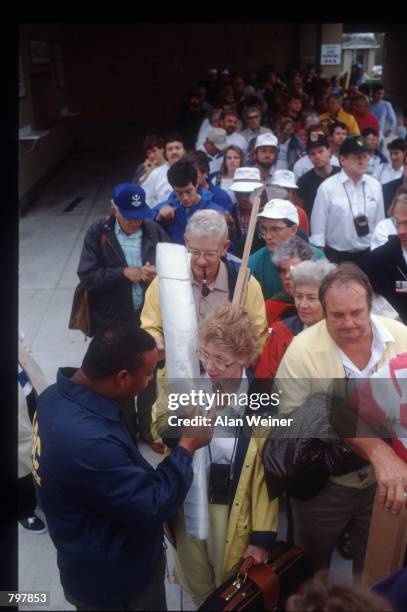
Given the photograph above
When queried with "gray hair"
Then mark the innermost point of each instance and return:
(206, 223)
(293, 247)
(311, 272)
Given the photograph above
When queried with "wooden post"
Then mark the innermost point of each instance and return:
(244, 271)
(386, 545)
(31, 367)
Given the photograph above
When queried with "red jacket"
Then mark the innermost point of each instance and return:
(281, 334)
(368, 121)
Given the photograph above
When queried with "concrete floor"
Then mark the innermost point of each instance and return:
(50, 245)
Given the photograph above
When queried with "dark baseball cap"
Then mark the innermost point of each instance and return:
(130, 199)
(353, 144)
(317, 139)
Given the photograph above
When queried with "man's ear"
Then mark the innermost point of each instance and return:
(225, 247)
(121, 377)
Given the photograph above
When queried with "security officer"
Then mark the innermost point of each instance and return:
(347, 206)
(104, 503)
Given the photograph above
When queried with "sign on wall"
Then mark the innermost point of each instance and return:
(331, 55)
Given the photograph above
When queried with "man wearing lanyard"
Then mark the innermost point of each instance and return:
(347, 206)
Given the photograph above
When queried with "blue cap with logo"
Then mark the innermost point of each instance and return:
(130, 199)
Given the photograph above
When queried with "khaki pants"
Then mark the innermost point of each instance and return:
(319, 522)
(199, 563)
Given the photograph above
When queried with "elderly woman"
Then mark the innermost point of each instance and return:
(241, 522)
(302, 280)
(286, 255)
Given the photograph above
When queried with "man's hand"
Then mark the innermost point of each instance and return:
(259, 554)
(133, 274)
(148, 272)
(166, 214)
(391, 476)
(194, 437)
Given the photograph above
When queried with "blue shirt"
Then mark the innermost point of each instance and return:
(176, 229)
(222, 198)
(385, 113)
(131, 247)
(104, 503)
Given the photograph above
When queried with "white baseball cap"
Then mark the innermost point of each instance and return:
(284, 178)
(280, 209)
(266, 140)
(217, 136)
(246, 180)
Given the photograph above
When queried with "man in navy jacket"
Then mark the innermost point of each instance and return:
(104, 503)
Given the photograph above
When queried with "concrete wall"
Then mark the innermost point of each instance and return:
(331, 34)
(37, 162)
(394, 63)
(139, 73)
(310, 51)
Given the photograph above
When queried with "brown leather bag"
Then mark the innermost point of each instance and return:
(80, 313)
(263, 586)
(81, 317)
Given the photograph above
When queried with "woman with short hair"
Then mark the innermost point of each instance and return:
(302, 280)
(241, 521)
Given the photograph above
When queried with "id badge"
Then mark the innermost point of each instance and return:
(219, 483)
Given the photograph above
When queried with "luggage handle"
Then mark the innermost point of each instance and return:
(263, 576)
(285, 558)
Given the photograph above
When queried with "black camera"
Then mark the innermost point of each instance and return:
(219, 483)
(361, 225)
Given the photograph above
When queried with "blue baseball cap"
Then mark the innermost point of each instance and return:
(130, 199)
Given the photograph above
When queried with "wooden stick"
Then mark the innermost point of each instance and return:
(386, 544)
(31, 367)
(244, 271)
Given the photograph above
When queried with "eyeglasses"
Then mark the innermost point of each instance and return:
(209, 256)
(273, 231)
(218, 362)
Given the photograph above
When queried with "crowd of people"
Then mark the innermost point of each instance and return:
(326, 299)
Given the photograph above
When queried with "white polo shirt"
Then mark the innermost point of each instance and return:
(385, 173)
(332, 217)
(380, 337)
(156, 186)
(383, 230)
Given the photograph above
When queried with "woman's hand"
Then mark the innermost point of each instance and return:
(259, 554)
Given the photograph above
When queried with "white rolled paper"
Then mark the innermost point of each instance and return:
(180, 332)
